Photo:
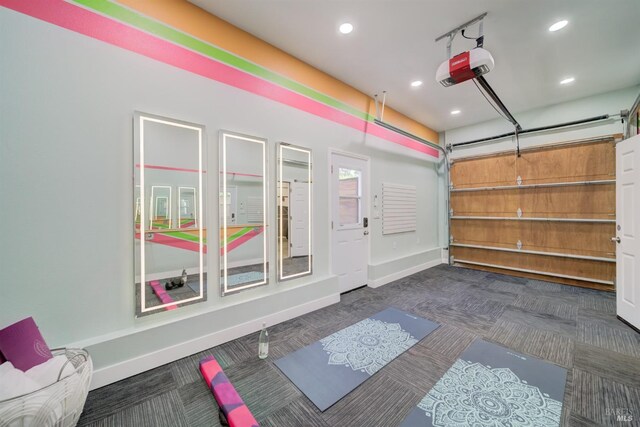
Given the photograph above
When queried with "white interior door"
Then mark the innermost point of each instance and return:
(299, 231)
(350, 243)
(628, 230)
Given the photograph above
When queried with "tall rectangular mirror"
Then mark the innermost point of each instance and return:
(243, 212)
(169, 231)
(294, 212)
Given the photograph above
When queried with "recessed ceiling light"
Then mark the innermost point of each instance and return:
(454, 112)
(346, 28)
(416, 83)
(558, 25)
(567, 80)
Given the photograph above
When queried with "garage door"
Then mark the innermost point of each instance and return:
(548, 214)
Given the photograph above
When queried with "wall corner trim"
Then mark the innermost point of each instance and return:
(445, 255)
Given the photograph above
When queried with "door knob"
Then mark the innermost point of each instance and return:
(615, 239)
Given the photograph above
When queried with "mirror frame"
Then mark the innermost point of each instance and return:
(139, 121)
(279, 246)
(222, 214)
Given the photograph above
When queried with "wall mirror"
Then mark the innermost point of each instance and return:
(169, 229)
(243, 212)
(294, 212)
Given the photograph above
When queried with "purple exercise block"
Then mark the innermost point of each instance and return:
(23, 345)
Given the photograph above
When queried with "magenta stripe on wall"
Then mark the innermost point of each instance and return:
(241, 240)
(168, 168)
(85, 22)
(163, 239)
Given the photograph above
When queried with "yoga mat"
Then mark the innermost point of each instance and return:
(490, 385)
(329, 369)
(162, 295)
(194, 285)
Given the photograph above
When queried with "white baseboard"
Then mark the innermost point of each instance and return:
(169, 274)
(376, 283)
(112, 373)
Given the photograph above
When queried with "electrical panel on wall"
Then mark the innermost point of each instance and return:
(399, 208)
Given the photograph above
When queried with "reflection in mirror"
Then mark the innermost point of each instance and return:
(294, 212)
(170, 237)
(243, 212)
(187, 217)
(138, 210)
(160, 202)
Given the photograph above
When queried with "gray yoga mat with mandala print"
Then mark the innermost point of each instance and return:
(329, 369)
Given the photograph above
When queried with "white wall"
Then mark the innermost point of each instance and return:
(607, 103)
(66, 192)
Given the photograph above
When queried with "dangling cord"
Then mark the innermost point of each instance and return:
(384, 100)
(480, 39)
(517, 142)
(489, 101)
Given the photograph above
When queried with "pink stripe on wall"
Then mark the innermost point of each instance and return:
(168, 168)
(242, 239)
(243, 174)
(80, 20)
(163, 239)
(187, 245)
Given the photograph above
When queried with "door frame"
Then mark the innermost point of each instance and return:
(633, 323)
(289, 222)
(367, 182)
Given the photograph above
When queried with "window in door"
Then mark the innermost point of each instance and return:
(350, 194)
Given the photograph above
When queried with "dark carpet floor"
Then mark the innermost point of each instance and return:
(572, 327)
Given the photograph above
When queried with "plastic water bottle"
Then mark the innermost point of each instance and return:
(263, 343)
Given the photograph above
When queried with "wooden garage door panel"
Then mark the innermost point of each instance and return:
(555, 163)
(596, 201)
(484, 172)
(568, 163)
(598, 270)
(573, 162)
(591, 239)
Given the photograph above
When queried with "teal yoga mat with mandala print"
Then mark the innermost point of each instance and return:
(490, 385)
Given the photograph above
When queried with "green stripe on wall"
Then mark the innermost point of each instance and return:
(192, 238)
(148, 25)
(238, 234)
(185, 236)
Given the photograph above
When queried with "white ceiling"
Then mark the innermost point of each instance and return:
(393, 44)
